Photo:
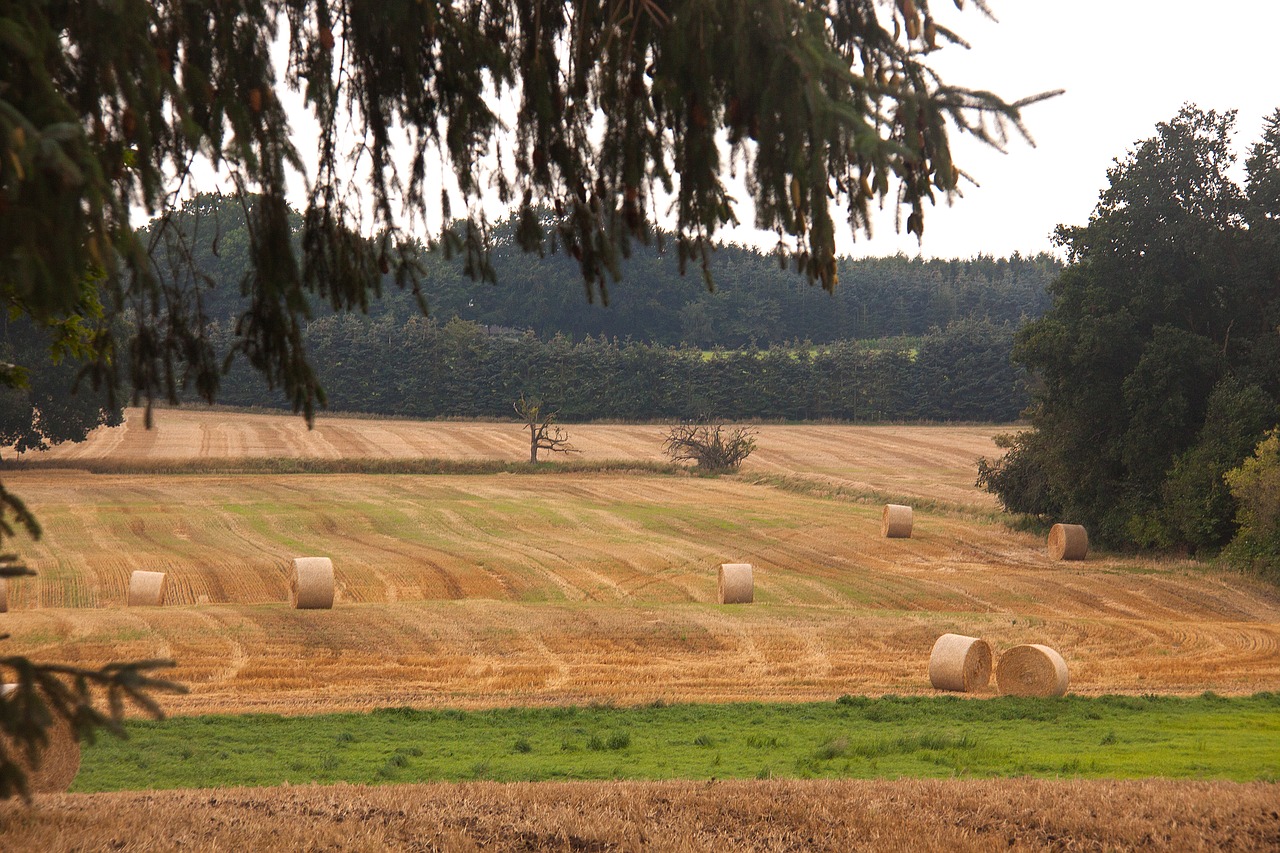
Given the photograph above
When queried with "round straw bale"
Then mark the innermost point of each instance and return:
(736, 584)
(59, 760)
(895, 523)
(1068, 542)
(146, 589)
(1031, 670)
(960, 663)
(311, 587)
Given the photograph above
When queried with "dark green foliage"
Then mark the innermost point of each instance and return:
(44, 410)
(1156, 367)
(967, 374)
(1198, 508)
(754, 301)
(418, 368)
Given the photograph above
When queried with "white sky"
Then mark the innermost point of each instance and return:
(1125, 65)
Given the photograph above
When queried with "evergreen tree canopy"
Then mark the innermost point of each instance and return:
(1159, 361)
(104, 108)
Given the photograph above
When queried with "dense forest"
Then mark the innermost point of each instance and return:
(421, 368)
(754, 300)
(900, 339)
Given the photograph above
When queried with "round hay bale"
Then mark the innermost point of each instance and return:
(311, 586)
(146, 589)
(1068, 542)
(59, 760)
(895, 523)
(1031, 670)
(960, 663)
(736, 584)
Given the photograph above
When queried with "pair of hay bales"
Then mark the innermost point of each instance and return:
(736, 584)
(311, 585)
(57, 764)
(1066, 541)
(963, 664)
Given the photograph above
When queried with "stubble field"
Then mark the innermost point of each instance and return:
(552, 589)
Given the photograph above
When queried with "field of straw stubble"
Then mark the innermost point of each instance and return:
(484, 590)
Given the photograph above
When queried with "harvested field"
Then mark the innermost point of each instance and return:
(933, 463)
(500, 590)
(478, 591)
(1016, 814)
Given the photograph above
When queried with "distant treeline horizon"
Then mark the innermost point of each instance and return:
(420, 368)
(899, 339)
(754, 300)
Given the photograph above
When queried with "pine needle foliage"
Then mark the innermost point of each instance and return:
(598, 110)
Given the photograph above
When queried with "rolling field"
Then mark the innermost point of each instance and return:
(476, 591)
(479, 591)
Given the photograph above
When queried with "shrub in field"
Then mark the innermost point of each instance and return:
(711, 447)
(1256, 487)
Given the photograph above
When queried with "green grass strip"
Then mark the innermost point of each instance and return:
(1206, 737)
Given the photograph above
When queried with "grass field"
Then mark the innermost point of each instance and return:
(515, 591)
(1208, 737)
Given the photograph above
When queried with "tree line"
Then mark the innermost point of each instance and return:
(425, 369)
(1157, 369)
(754, 299)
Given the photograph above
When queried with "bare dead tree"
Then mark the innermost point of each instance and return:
(544, 434)
(712, 447)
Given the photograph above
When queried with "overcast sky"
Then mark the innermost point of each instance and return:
(1125, 65)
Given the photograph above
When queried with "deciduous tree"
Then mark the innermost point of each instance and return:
(543, 432)
(1152, 381)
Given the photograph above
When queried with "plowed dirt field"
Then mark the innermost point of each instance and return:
(485, 590)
